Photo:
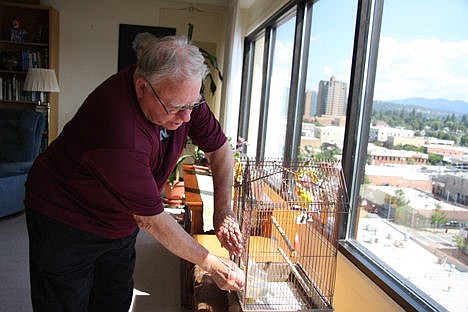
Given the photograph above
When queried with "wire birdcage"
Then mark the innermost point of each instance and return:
(290, 216)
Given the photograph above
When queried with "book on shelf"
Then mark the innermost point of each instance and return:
(24, 59)
(11, 89)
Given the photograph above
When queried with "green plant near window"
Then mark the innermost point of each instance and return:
(210, 60)
(174, 177)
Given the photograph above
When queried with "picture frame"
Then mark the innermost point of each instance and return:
(127, 33)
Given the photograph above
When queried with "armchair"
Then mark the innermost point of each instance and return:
(20, 141)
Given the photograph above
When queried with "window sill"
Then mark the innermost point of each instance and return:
(403, 293)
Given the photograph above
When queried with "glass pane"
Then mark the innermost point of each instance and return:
(328, 74)
(254, 115)
(413, 207)
(279, 90)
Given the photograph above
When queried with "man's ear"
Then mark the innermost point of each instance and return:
(140, 86)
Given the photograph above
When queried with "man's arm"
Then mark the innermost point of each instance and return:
(171, 235)
(224, 220)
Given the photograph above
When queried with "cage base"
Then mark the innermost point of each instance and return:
(280, 291)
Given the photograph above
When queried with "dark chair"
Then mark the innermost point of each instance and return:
(21, 132)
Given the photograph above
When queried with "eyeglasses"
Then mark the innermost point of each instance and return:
(179, 109)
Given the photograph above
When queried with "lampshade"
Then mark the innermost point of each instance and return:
(41, 79)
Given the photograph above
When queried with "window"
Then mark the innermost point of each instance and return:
(402, 222)
(278, 93)
(327, 80)
(321, 78)
(254, 115)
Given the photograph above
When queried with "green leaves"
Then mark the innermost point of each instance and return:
(174, 176)
(210, 60)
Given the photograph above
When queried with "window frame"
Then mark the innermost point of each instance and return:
(359, 109)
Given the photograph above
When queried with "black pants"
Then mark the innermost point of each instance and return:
(72, 270)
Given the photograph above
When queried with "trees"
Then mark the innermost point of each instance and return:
(435, 159)
(401, 205)
(439, 217)
(448, 127)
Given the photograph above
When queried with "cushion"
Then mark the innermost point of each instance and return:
(14, 168)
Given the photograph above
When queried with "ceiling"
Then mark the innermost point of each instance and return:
(244, 4)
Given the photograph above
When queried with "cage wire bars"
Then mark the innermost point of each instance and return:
(290, 215)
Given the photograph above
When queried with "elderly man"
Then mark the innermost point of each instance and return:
(100, 180)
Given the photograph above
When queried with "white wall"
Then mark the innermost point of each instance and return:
(89, 40)
(88, 51)
(258, 12)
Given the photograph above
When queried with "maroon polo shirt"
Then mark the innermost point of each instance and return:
(110, 162)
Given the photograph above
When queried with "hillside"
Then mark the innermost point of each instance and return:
(440, 107)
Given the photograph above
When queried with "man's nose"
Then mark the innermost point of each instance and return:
(185, 115)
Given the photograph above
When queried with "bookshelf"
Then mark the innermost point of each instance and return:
(28, 38)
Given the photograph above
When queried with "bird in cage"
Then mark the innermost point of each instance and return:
(289, 215)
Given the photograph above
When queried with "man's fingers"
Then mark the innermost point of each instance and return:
(230, 235)
(228, 276)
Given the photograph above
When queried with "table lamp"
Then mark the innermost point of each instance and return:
(41, 80)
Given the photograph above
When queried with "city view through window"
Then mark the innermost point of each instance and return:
(414, 195)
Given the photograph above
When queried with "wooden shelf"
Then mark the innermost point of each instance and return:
(19, 102)
(24, 43)
(39, 49)
(12, 72)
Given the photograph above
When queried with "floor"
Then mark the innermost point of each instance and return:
(157, 272)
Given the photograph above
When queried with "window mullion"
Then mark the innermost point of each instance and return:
(270, 35)
(298, 81)
(246, 89)
(360, 101)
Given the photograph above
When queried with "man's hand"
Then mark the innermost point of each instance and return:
(224, 219)
(227, 231)
(225, 273)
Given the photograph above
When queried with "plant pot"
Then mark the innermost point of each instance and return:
(176, 192)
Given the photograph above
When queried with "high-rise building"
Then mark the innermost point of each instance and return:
(331, 98)
(310, 109)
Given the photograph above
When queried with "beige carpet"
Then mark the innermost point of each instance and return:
(157, 272)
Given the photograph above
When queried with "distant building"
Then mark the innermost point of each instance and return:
(309, 144)
(421, 206)
(331, 135)
(452, 187)
(331, 97)
(400, 140)
(382, 134)
(460, 162)
(310, 108)
(404, 176)
(445, 150)
(383, 156)
(431, 140)
(326, 120)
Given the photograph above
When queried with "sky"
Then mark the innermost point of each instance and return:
(423, 48)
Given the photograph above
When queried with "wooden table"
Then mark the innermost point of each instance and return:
(193, 200)
(199, 292)
(207, 297)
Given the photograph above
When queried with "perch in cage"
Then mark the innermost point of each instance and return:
(290, 216)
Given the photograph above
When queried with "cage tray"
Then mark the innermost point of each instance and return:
(280, 290)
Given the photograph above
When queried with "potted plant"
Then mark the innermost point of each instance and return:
(174, 187)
